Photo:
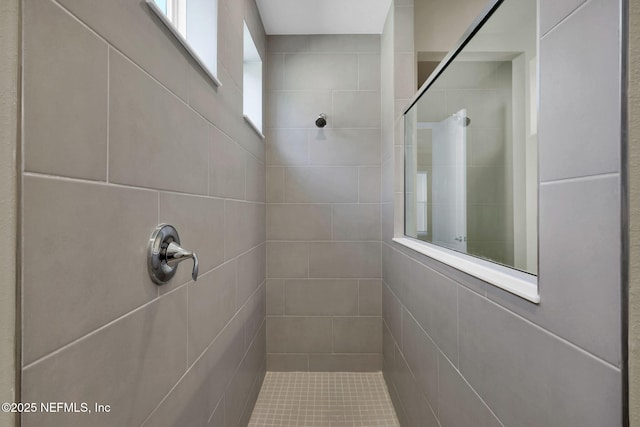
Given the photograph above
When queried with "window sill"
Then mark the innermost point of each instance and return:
(253, 126)
(152, 5)
(516, 282)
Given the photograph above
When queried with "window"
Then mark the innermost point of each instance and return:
(252, 83)
(194, 23)
(472, 131)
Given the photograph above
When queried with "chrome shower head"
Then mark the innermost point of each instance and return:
(321, 121)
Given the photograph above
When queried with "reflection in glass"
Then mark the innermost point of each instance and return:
(471, 174)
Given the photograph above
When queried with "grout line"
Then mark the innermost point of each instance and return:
(136, 188)
(108, 106)
(580, 178)
(563, 20)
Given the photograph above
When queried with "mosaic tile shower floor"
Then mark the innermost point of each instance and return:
(324, 399)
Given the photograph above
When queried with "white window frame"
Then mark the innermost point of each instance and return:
(177, 23)
(252, 87)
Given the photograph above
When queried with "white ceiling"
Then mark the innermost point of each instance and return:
(323, 16)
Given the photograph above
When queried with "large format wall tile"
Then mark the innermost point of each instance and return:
(287, 147)
(298, 109)
(287, 259)
(112, 367)
(321, 184)
(344, 259)
(553, 12)
(459, 404)
(299, 334)
(65, 94)
(345, 362)
(68, 288)
(111, 95)
(356, 109)
(212, 303)
(226, 167)
(344, 147)
(579, 118)
(369, 71)
(357, 334)
(511, 364)
(582, 273)
(320, 71)
(320, 297)
(192, 216)
(356, 221)
(251, 273)
(421, 354)
(134, 29)
(370, 297)
(369, 184)
(298, 222)
(244, 227)
(339, 43)
(155, 140)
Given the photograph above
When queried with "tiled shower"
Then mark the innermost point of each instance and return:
(300, 281)
(324, 288)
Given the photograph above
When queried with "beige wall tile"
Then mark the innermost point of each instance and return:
(116, 356)
(287, 259)
(356, 221)
(298, 334)
(296, 109)
(65, 94)
(344, 259)
(226, 167)
(287, 362)
(154, 139)
(212, 303)
(255, 179)
(287, 147)
(275, 296)
(135, 30)
(298, 222)
(68, 288)
(369, 184)
(321, 184)
(356, 109)
(196, 219)
(320, 71)
(345, 362)
(336, 147)
(369, 71)
(244, 226)
(357, 334)
(251, 273)
(275, 184)
(370, 297)
(320, 297)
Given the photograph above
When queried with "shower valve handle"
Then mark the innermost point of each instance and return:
(175, 254)
(164, 253)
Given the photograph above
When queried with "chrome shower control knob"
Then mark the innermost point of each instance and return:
(165, 253)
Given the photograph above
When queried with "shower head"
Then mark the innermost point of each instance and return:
(321, 121)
